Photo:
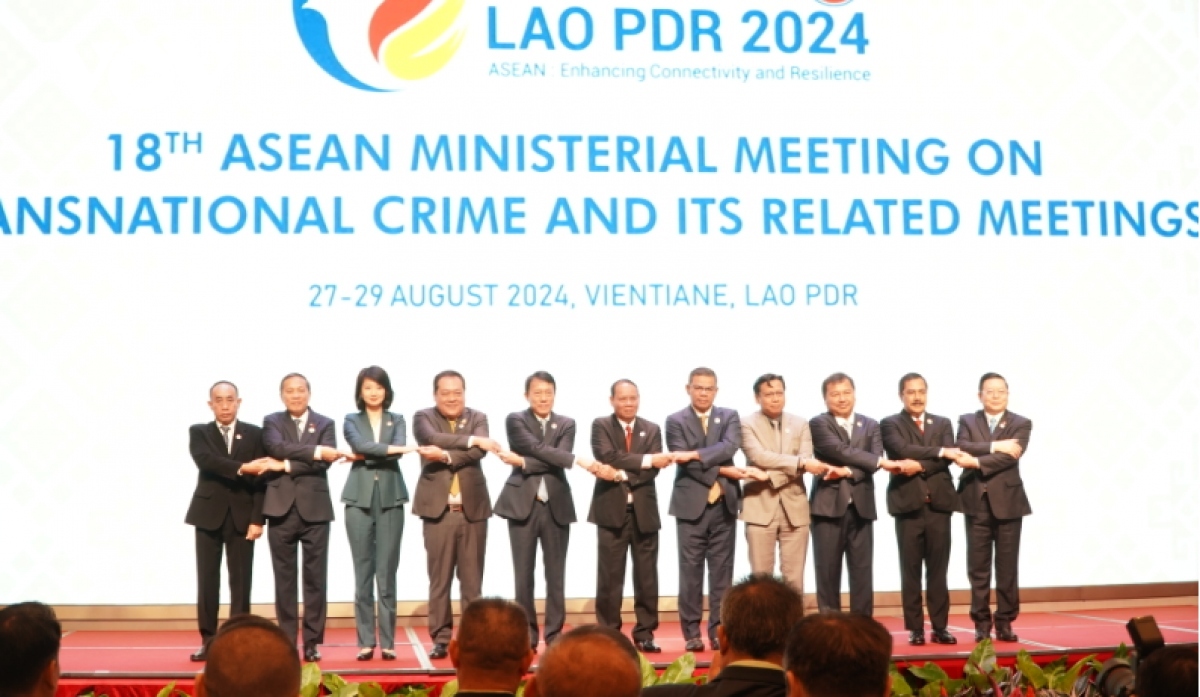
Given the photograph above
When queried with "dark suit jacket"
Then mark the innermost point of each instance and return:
(860, 453)
(433, 488)
(998, 474)
(546, 460)
(902, 440)
(609, 498)
(307, 485)
(694, 479)
(379, 469)
(219, 489)
(732, 681)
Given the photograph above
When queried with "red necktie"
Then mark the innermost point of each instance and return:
(920, 423)
(628, 438)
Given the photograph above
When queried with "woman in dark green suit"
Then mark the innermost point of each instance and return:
(375, 496)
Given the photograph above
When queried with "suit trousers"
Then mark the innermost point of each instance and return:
(210, 545)
(524, 536)
(453, 545)
(984, 534)
(612, 546)
(851, 537)
(375, 548)
(923, 537)
(287, 534)
(710, 539)
(790, 540)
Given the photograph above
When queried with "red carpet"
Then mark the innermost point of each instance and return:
(124, 664)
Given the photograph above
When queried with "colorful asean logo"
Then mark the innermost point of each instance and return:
(379, 45)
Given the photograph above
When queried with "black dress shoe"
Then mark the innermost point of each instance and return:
(648, 646)
(916, 638)
(941, 636)
(201, 655)
(365, 655)
(693, 645)
(387, 654)
(312, 655)
(981, 635)
(439, 651)
(1006, 634)
(716, 644)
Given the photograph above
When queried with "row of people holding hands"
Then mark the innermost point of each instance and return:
(274, 478)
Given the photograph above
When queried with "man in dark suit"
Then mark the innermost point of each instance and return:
(537, 501)
(491, 653)
(921, 497)
(756, 616)
(298, 508)
(226, 507)
(452, 500)
(992, 441)
(625, 511)
(705, 502)
(843, 501)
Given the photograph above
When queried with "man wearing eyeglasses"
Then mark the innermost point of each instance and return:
(992, 441)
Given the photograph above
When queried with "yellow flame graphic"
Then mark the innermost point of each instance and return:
(412, 55)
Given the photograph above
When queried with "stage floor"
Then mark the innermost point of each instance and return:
(93, 657)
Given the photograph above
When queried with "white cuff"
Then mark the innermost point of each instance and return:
(646, 462)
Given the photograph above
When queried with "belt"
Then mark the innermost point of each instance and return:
(455, 507)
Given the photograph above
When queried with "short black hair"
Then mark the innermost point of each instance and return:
(218, 383)
(251, 655)
(543, 376)
(766, 380)
(839, 655)
(1168, 672)
(289, 376)
(589, 661)
(912, 376)
(30, 637)
(380, 377)
(835, 379)
(612, 391)
(701, 372)
(493, 636)
(991, 376)
(757, 614)
(448, 374)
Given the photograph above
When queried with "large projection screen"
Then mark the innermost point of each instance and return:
(601, 191)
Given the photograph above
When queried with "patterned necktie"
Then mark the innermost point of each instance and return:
(992, 421)
(228, 441)
(299, 427)
(542, 494)
(920, 421)
(845, 424)
(628, 438)
(455, 490)
(714, 492)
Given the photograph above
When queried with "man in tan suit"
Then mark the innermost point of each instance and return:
(778, 448)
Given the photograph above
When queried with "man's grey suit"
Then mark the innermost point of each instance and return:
(706, 532)
(298, 510)
(776, 511)
(548, 454)
(455, 540)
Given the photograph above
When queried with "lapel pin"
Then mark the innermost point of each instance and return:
(238, 436)
(389, 423)
(641, 434)
(859, 424)
(1001, 424)
(717, 420)
(312, 429)
(553, 425)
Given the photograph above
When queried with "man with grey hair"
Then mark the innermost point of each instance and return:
(756, 617)
(250, 655)
(588, 661)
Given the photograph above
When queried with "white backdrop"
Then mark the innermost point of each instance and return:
(108, 342)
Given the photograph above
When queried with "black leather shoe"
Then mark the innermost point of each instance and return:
(981, 635)
(916, 638)
(439, 651)
(365, 655)
(1006, 634)
(716, 644)
(693, 645)
(201, 655)
(648, 646)
(387, 654)
(941, 636)
(312, 655)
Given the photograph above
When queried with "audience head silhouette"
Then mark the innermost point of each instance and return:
(250, 655)
(1168, 672)
(492, 650)
(30, 636)
(589, 661)
(757, 614)
(838, 655)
